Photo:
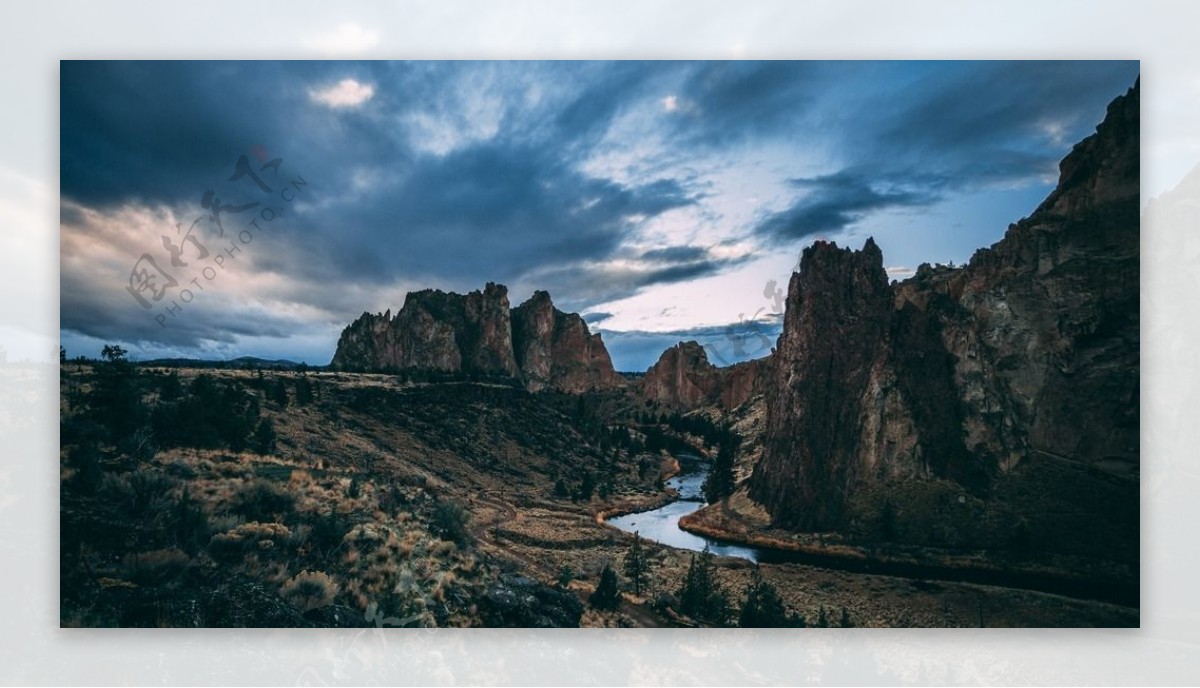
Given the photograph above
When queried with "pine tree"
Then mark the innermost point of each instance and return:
(846, 622)
(278, 392)
(887, 520)
(636, 565)
(561, 489)
(719, 483)
(565, 576)
(763, 607)
(701, 595)
(264, 437)
(607, 594)
(304, 391)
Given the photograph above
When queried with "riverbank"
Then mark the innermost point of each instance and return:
(738, 520)
(638, 503)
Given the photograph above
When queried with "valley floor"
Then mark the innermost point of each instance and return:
(378, 499)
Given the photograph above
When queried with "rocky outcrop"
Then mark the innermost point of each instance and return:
(959, 374)
(683, 378)
(478, 333)
(743, 381)
(556, 350)
(515, 601)
(434, 330)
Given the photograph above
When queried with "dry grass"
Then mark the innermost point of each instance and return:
(309, 590)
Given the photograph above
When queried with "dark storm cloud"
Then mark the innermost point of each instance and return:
(491, 211)
(610, 88)
(992, 120)
(117, 318)
(456, 173)
(386, 208)
(832, 203)
(722, 103)
(578, 287)
(673, 254)
(163, 132)
(952, 128)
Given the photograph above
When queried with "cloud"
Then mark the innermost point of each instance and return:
(938, 136)
(346, 93)
(580, 285)
(833, 203)
(676, 254)
(595, 180)
(726, 344)
(722, 103)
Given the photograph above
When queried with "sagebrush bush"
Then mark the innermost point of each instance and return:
(450, 521)
(263, 500)
(232, 546)
(155, 567)
(309, 590)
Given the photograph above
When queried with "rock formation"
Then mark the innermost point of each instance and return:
(960, 374)
(555, 349)
(478, 333)
(683, 378)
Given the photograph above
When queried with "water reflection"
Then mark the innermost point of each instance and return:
(662, 524)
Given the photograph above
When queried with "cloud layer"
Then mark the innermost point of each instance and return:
(604, 182)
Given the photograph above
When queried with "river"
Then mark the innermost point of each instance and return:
(662, 524)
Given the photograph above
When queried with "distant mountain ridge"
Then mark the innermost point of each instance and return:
(239, 362)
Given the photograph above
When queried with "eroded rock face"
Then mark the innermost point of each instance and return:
(961, 373)
(556, 350)
(434, 330)
(479, 333)
(683, 378)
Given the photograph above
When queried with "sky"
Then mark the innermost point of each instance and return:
(224, 209)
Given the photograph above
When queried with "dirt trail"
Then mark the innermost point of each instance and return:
(483, 532)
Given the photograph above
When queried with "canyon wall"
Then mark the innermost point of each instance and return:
(962, 373)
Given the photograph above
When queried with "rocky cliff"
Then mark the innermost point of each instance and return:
(555, 349)
(478, 333)
(683, 378)
(962, 374)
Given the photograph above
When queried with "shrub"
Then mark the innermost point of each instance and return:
(309, 590)
(190, 522)
(263, 500)
(231, 546)
(86, 460)
(607, 594)
(565, 575)
(328, 532)
(156, 566)
(450, 522)
(763, 607)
